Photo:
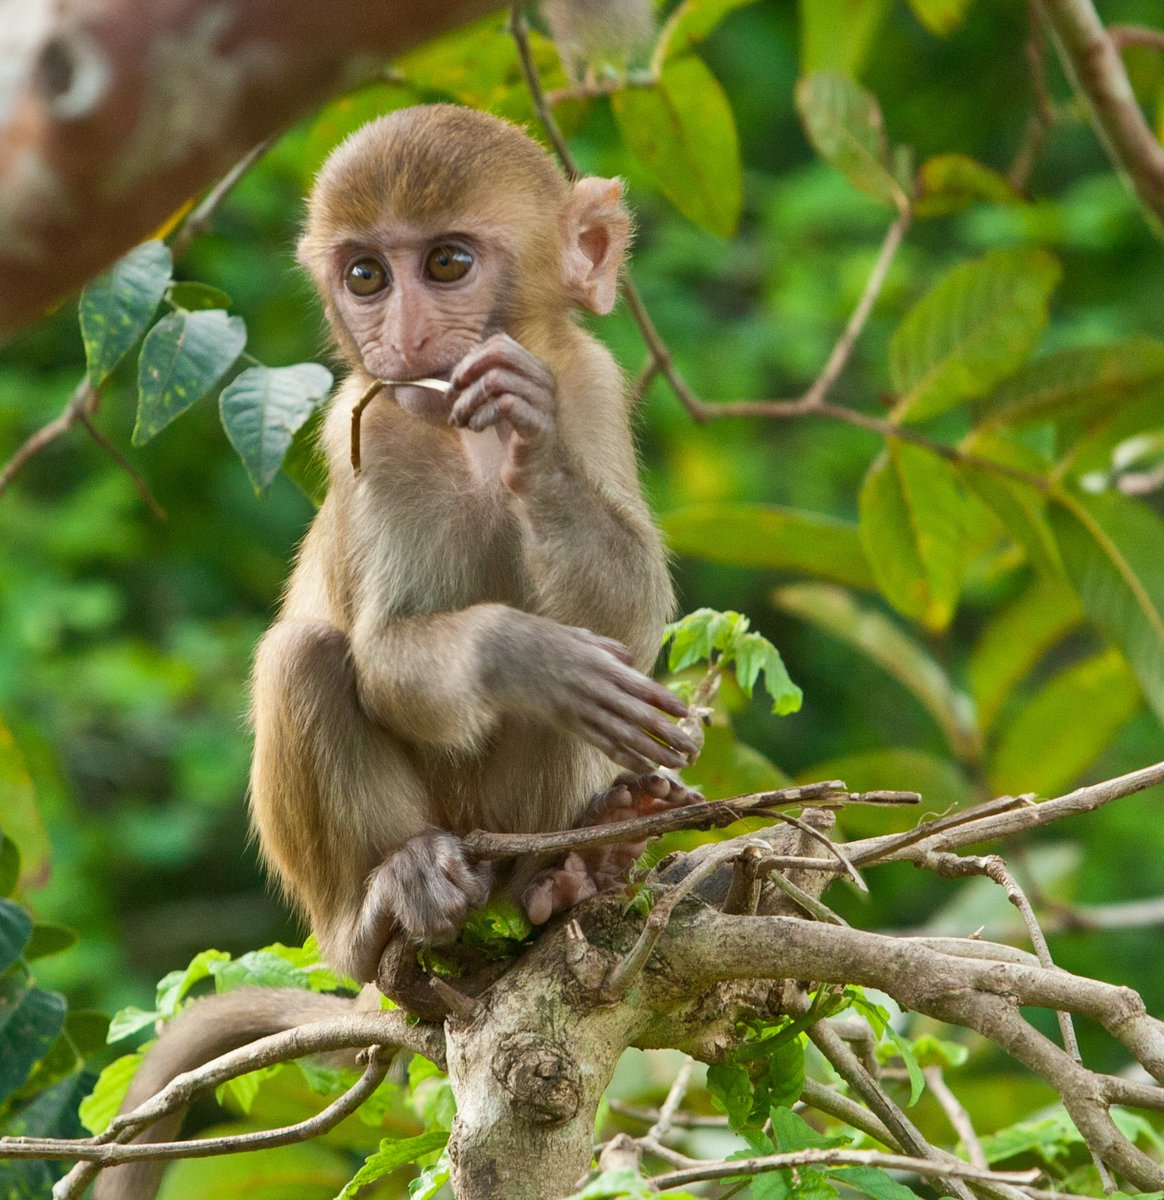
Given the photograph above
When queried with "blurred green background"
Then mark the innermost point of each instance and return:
(125, 642)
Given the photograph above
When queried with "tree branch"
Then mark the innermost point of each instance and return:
(1091, 60)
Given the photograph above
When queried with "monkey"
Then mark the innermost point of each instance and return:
(465, 637)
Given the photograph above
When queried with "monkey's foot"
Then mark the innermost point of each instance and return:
(585, 873)
(425, 888)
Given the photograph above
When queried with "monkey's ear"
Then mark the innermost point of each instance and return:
(596, 235)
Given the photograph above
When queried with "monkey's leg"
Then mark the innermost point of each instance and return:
(343, 814)
(585, 873)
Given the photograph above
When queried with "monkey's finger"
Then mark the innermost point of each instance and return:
(654, 694)
(609, 645)
(634, 745)
(643, 715)
(614, 749)
(501, 350)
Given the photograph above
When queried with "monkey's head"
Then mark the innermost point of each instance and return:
(433, 227)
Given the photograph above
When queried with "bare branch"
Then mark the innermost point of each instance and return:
(1092, 62)
(82, 403)
(947, 1169)
(1000, 818)
(1123, 36)
(958, 1117)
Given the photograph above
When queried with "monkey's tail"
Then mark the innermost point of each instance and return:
(205, 1029)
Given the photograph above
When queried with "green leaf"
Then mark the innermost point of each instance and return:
(431, 1180)
(683, 132)
(1065, 727)
(131, 1020)
(1111, 547)
(752, 654)
(902, 1048)
(690, 23)
(49, 939)
(730, 1087)
(1022, 509)
(53, 1111)
(948, 183)
(9, 865)
(257, 968)
(913, 530)
(173, 987)
(972, 328)
(619, 1184)
(103, 1103)
(21, 818)
(779, 539)
(844, 124)
(881, 641)
(792, 1132)
(1016, 638)
(837, 35)
(196, 296)
(697, 635)
(1077, 381)
(15, 930)
(873, 1181)
(30, 1022)
(393, 1153)
(940, 16)
(262, 410)
(116, 309)
(87, 1029)
(183, 357)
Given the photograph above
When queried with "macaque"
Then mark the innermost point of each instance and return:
(464, 638)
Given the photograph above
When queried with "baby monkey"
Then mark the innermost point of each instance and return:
(464, 638)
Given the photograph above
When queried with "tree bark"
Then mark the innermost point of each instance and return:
(113, 113)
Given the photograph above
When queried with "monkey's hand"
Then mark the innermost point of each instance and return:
(585, 873)
(584, 684)
(426, 887)
(500, 383)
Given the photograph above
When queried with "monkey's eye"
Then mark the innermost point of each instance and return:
(448, 263)
(365, 277)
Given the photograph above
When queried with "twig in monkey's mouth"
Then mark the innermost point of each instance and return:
(433, 385)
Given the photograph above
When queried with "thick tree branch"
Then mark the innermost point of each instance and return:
(1092, 62)
(113, 114)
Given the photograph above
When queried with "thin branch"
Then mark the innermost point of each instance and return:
(675, 1097)
(201, 217)
(958, 1117)
(82, 402)
(1043, 115)
(1123, 36)
(111, 1153)
(135, 476)
(1091, 60)
(947, 1169)
(1000, 818)
(850, 1068)
(709, 814)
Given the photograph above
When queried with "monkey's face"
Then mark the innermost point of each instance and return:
(414, 301)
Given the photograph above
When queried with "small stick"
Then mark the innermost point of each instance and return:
(434, 385)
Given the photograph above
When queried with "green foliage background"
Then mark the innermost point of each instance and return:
(125, 642)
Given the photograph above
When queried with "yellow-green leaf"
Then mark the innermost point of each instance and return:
(940, 16)
(895, 652)
(837, 35)
(844, 124)
(912, 527)
(1113, 550)
(948, 183)
(691, 22)
(1016, 638)
(1065, 727)
(974, 326)
(779, 539)
(683, 132)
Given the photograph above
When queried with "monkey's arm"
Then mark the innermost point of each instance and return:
(588, 539)
(447, 679)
